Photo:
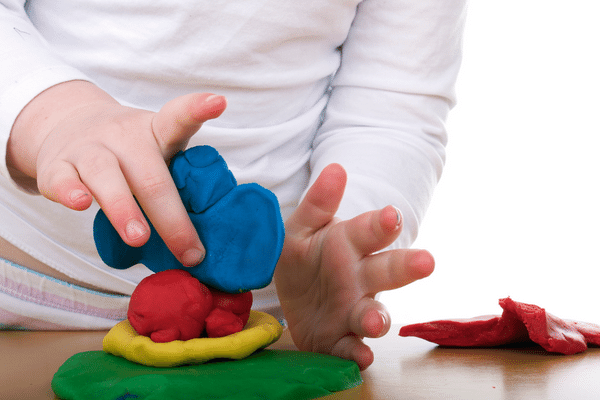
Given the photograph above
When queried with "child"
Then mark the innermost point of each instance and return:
(345, 98)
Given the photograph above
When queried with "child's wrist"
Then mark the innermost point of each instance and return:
(41, 115)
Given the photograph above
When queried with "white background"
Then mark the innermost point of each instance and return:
(517, 212)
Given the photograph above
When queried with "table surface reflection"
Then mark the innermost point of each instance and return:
(404, 368)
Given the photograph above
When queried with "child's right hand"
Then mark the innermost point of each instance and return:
(79, 142)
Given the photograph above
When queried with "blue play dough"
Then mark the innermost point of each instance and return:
(239, 225)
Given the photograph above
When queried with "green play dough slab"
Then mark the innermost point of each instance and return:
(266, 374)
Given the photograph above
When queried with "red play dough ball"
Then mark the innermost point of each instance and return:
(230, 313)
(221, 323)
(238, 303)
(170, 305)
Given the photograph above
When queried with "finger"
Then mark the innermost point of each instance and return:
(61, 184)
(373, 231)
(369, 318)
(179, 119)
(115, 198)
(351, 347)
(152, 185)
(394, 269)
(322, 200)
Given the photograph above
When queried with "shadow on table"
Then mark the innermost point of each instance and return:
(515, 372)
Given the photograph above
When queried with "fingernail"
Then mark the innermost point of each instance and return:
(77, 195)
(398, 216)
(212, 97)
(384, 319)
(135, 230)
(192, 257)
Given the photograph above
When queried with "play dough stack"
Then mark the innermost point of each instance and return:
(190, 332)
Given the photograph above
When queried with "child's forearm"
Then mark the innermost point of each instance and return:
(41, 115)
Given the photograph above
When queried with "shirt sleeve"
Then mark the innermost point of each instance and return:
(27, 68)
(385, 120)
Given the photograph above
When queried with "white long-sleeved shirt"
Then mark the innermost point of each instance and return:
(367, 84)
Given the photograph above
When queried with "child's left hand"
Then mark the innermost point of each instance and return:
(327, 276)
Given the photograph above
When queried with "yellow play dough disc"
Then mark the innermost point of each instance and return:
(260, 331)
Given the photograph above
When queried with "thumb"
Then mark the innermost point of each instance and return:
(322, 200)
(179, 119)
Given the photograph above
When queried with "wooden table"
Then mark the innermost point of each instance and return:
(404, 368)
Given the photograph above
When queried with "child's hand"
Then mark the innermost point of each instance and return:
(78, 142)
(327, 275)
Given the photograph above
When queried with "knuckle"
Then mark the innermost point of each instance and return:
(46, 181)
(96, 164)
(52, 183)
(154, 186)
(180, 234)
(393, 269)
(119, 206)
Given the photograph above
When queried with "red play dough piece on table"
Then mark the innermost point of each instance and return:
(519, 323)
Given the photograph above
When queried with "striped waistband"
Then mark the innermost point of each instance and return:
(30, 300)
